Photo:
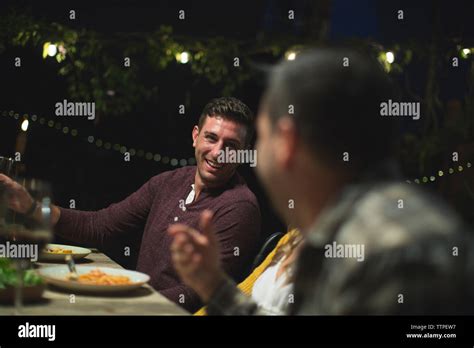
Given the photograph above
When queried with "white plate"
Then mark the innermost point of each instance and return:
(57, 275)
(77, 253)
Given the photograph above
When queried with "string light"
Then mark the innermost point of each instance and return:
(52, 50)
(465, 52)
(157, 157)
(56, 50)
(290, 55)
(49, 49)
(182, 57)
(390, 57)
(440, 174)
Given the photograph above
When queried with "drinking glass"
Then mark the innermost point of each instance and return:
(28, 235)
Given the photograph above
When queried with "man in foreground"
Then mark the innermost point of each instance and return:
(373, 245)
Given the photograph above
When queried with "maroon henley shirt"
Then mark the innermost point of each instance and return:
(148, 212)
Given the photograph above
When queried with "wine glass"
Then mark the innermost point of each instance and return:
(6, 167)
(27, 233)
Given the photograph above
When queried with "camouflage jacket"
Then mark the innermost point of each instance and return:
(383, 248)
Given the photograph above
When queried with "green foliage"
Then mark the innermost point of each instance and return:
(9, 275)
(89, 60)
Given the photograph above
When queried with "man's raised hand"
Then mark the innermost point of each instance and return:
(196, 256)
(18, 198)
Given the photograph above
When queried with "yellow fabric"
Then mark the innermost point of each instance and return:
(247, 285)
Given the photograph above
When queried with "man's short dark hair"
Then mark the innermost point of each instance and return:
(233, 109)
(335, 94)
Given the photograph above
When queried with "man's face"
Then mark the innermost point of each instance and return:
(216, 134)
(265, 152)
(272, 150)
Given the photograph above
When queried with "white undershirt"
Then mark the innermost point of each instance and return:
(191, 196)
(272, 294)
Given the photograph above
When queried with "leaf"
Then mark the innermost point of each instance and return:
(31, 278)
(45, 49)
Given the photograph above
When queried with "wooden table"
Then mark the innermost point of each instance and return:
(143, 301)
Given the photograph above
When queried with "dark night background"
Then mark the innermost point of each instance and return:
(96, 177)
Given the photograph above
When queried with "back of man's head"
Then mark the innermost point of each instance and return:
(335, 95)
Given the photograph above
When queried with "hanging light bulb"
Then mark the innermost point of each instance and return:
(52, 50)
(390, 57)
(182, 57)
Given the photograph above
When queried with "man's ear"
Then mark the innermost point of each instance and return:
(195, 134)
(286, 142)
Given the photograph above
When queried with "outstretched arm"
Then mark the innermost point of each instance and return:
(88, 227)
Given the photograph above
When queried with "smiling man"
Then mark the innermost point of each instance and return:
(175, 196)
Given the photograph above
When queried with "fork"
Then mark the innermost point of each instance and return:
(72, 268)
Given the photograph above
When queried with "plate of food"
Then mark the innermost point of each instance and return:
(94, 279)
(58, 252)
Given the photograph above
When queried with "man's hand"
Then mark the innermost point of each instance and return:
(196, 256)
(18, 198)
(20, 201)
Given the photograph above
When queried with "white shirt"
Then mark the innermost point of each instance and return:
(272, 294)
(191, 196)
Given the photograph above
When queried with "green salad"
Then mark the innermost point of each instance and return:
(9, 275)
